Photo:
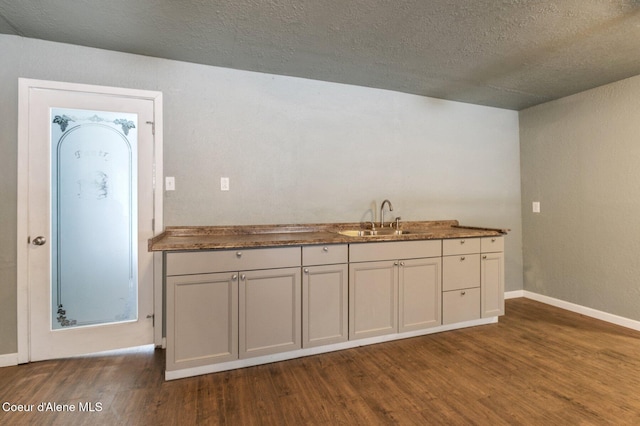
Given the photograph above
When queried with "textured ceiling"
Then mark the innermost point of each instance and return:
(504, 53)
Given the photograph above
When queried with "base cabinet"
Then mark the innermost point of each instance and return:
(394, 287)
(492, 277)
(419, 294)
(270, 312)
(325, 314)
(460, 280)
(373, 300)
(460, 305)
(203, 326)
(227, 306)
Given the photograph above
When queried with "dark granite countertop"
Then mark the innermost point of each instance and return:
(233, 237)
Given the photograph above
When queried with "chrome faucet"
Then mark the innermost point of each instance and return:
(382, 211)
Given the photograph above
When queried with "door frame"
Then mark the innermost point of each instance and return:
(24, 87)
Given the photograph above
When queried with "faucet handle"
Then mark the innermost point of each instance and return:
(373, 226)
(398, 222)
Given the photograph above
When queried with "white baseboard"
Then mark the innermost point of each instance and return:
(590, 312)
(513, 294)
(8, 360)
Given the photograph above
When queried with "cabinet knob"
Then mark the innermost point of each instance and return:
(401, 263)
(462, 293)
(484, 257)
(243, 277)
(493, 240)
(239, 254)
(234, 277)
(461, 241)
(306, 270)
(462, 258)
(395, 263)
(325, 248)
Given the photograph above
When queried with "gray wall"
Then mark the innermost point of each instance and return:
(580, 158)
(295, 150)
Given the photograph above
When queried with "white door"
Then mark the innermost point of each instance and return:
(90, 211)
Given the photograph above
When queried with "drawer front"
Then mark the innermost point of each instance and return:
(460, 305)
(491, 244)
(460, 246)
(201, 262)
(325, 255)
(369, 252)
(462, 271)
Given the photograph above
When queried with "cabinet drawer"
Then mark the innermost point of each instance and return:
(201, 262)
(460, 305)
(325, 255)
(461, 271)
(460, 246)
(491, 244)
(369, 252)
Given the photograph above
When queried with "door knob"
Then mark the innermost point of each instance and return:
(39, 241)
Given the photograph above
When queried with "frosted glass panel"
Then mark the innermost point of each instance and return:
(94, 217)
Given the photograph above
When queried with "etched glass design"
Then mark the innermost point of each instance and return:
(94, 217)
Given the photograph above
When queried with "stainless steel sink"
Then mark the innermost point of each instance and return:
(373, 232)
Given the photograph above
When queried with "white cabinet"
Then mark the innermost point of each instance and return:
(419, 294)
(393, 287)
(270, 311)
(492, 276)
(228, 304)
(460, 280)
(373, 299)
(325, 315)
(202, 319)
(460, 305)
(473, 279)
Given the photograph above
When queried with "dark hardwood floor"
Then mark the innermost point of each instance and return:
(538, 366)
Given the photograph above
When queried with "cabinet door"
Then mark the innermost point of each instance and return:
(373, 289)
(419, 294)
(460, 305)
(492, 284)
(324, 305)
(202, 320)
(460, 272)
(270, 311)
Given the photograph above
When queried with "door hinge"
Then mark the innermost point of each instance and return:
(153, 127)
(153, 224)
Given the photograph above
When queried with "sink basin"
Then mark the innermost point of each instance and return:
(372, 232)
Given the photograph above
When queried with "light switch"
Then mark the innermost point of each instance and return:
(536, 206)
(224, 184)
(170, 183)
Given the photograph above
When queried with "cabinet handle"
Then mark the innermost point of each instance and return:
(462, 258)
(325, 248)
(239, 254)
(234, 277)
(462, 293)
(306, 270)
(243, 277)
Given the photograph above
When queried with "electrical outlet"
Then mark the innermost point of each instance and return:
(224, 184)
(536, 206)
(169, 183)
